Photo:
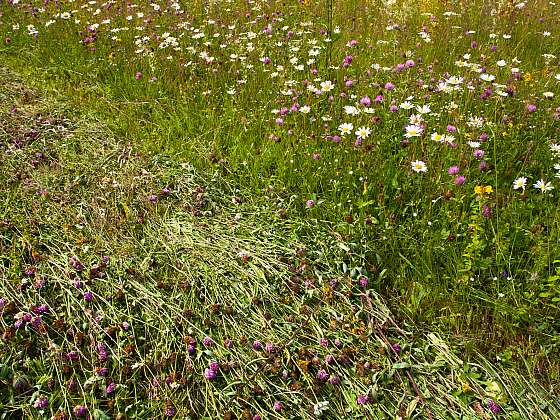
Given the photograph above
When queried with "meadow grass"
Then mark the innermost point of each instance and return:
(229, 210)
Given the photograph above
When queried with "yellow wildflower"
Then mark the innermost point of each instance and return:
(483, 189)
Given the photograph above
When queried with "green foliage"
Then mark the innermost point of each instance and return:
(175, 166)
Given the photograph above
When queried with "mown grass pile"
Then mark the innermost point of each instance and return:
(266, 171)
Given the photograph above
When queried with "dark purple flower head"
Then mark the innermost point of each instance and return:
(362, 399)
(214, 365)
(80, 411)
(88, 296)
(169, 409)
(324, 342)
(257, 345)
(363, 281)
(36, 322)
(76, 264)
(43, 309)
(396, 348)
(338, 343)
(101, 352)
(210, 374)
(257, 417)
(72, 356)
(41, 402)
(329, 359)
(494, 407)
(322, 375)
(269, 347)
(486, 211)
(102, 371)
(138, 75)
(110, 388)
(335, 380)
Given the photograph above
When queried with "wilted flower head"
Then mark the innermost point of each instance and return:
(80, 411)
(362, 399)
(322, 375)
(41, 402)
(494, 407)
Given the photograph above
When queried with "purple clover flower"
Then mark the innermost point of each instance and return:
(210, 374)
(41, 402)
(80, 411)
(362, 399)
(322, 375)
(494, 407)
(460, 180)
(110, 388)
(363, 281)
(335, 380)
(453, 170)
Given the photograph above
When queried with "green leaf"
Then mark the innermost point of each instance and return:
(100, 415)
(401, 365)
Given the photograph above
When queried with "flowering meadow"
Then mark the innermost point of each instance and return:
(279, 209)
